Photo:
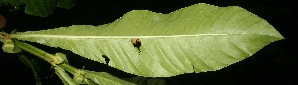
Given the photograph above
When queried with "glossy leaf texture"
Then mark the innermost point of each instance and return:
(197, 38)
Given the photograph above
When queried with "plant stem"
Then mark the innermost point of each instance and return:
(64, 76)
(37, 52)
(54, 60)
(70, 69)
(46, 56)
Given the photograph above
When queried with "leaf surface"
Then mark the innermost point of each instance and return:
(41, 8)
(197, 38)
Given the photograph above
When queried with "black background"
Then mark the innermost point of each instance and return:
(274, 64)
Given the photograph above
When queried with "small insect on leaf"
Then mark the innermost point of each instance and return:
(136, 43)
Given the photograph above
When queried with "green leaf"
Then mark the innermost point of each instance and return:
(198, 38)
(14, 3)
(66, 4)
(103, 78)
(91, 77)
(41, 8)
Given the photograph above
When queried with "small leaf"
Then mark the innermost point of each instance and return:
(61, 58)
(78, 78)
(103, 78)
(197, 39)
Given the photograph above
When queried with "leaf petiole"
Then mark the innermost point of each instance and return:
(53, 60)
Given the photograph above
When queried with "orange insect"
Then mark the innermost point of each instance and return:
(134, 40)
(2, 22)
(136, 43)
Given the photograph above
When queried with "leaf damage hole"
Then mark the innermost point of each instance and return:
(136, 43)
(106, 58)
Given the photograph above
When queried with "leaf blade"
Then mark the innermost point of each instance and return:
(198, 38)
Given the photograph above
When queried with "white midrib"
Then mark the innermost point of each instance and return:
(111, 37)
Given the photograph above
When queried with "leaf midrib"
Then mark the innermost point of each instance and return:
(115, 37)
